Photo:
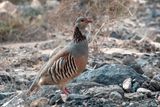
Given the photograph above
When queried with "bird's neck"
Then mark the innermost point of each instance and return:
(78, 35)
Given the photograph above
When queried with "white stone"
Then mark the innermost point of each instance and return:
(127, 83)
(36, 4)
(143, 90)
(8, 7)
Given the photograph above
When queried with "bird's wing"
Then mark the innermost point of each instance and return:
(61, 54)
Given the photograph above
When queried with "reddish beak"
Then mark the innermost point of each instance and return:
(88, 20)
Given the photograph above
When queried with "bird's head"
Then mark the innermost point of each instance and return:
(82, 22)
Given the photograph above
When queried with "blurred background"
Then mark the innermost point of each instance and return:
(36, 20)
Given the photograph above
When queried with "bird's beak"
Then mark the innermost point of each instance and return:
(88, 20)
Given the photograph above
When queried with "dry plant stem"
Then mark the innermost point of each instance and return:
(125, 8)
(97, 32)
(14, 98)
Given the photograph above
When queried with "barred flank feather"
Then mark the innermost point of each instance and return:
(63, 69)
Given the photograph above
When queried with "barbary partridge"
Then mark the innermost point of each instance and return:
(68, 63)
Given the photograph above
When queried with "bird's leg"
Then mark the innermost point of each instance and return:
(65, 90)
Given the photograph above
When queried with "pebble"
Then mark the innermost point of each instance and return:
(127, 83)
(143, 90)
(115, 96)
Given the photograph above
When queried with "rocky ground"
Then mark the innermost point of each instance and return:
(123, 68)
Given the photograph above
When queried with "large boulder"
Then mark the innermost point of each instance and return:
(110, 74)
(8, 7)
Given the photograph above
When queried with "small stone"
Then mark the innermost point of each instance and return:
(135, 96)
(115, 96)
(8, 7)
(124, 104)
(4, 77)
(64, 97)
(44, 57)
(148, 71)
(127, 83)
(4, 95)
(135, 86)
(143, 90)
(41, 102)
(77, 97)
(158, 99)
(157, 77)
(133, 104)
(55, 99)
(154, 85)
(104, 91)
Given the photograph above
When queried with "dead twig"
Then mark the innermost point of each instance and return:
(98, 32)
(14, 98)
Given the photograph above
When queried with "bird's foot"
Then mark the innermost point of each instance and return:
(66, 91)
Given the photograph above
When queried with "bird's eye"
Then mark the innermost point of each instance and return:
(82, 20)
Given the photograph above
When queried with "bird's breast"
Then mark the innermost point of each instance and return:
(81, 63)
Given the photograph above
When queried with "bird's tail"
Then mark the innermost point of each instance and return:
(35, 86)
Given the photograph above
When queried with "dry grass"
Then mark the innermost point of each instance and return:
(69, 10)
(101, 11)
(62, 18)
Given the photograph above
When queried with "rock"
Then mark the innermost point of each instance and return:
(145, 84)
(103, 91)
(158, 99)
(79, 87)
(91, 102)
(115, 35)
(148, 103)
(137, 68)
(157, 39)
(5, 77)
(52, 4)
(135, 104)
(21, 83)
(44, 57)
(77, 97)
(154, 85)
(36, 4)
(4, 95)
(41, 102)
(8, 7)
(115, 96)
(129, 60)
(143, 90)
(4, 16)
(146, 46)
(157, 77)
(148, 71)
(125, 104)
(135, 86)
(127, 84)
(55, 99)
(135, 96)
(108, 75)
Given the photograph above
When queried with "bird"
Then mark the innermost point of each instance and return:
(67, 63)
